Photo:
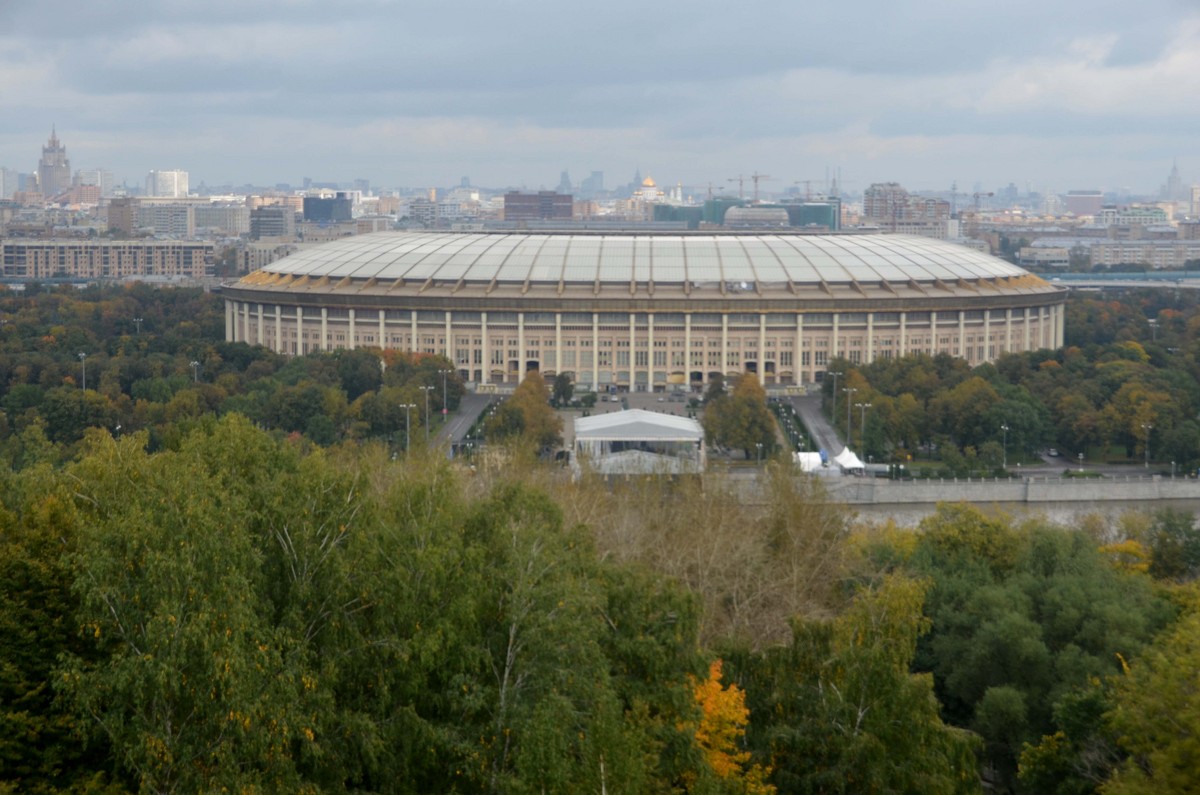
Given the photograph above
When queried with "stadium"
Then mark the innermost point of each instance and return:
(645, 311)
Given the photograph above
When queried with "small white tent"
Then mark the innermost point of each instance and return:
(848, 461)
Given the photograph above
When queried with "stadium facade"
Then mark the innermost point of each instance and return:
(649, 311)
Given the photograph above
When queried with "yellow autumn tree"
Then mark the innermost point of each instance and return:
(723, 718)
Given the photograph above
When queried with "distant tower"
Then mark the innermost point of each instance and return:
(564, 183)
(54, 170)
(1173, 190)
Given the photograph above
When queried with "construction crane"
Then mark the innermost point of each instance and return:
(807, 183)
(740, 179)
(757, 177)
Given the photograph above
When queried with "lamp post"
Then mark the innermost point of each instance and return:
(445, 401)
(1081, 462)
(758, 460)
(1004, 428)
(426, 390)
(138, 321)
(407, 410)
(835, 375)
(862, 423)
(849, 390)
(83, 368)
(195, 371)
(1153, 329)
(1147, 427)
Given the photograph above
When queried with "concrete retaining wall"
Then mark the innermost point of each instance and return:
(871, 491)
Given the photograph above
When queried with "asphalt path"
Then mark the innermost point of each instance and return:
(822, 433)
(457, 424)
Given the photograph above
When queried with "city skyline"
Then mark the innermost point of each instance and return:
(1078, 95)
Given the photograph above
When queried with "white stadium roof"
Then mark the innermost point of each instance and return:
(621, 258)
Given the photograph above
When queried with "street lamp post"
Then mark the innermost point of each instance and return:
(849, 390)
(426, 390)
(862, 423)
(1153, 329)
(835, 375)
(445, 400)
(83, 368)
(1004, 428)
(138, 321)
(195, 372)
(1081, 462)
(1147, 427)
(758, 460)
(407, 412)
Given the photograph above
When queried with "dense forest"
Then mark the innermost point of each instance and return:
(217, 574)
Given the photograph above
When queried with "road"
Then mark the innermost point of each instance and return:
(823, 434)
(458, 423)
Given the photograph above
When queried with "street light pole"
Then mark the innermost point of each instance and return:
(849, 390)
(426, 390)
(83, 367)
(1004, 428)
(195, 372)
(758, 461)
(445, 397)
(1147, 427)
(833, 408)
(138, 320)
(407, 413)
(862, 423)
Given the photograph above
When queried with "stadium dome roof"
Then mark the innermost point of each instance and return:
(624, 257)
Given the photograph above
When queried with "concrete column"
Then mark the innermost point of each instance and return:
(903, 334)
(962, 335)
(762, 349)
(299, 330)
(484, 353)
(412, 343)
(687, 351)
(725, 345)
(933, 339)
(450, 341)
(520, 347)
(1059, 331)
(382, 329)
(650, 351)
(870, 337)
(987, 335)
(261, 336)
(1028, 329)
(245, 321)
(229, 327)
(350, 332)
(1008, 330)
(558, 348)
(324, 328)
(798, 356)
(833, 343)
(596, 351)
(278, 328)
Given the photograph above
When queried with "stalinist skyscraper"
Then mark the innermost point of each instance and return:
(54, 170)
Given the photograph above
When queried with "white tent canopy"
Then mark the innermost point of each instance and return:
(847, 460)
(638, 441)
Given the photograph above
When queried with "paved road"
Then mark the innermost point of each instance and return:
(469, 409)
(823, 434)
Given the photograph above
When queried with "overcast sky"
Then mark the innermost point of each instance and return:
(1051, 94)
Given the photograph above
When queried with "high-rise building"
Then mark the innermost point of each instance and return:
(96, 176)
(8, 183)
(54, 169)
(171, 184)
(1173, 190)
(540, 206)
(123, 215)
(273, 221)
(328, 209)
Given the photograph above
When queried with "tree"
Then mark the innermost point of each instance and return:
(722, 724)
(564, 388)
(527, 416)
(839, 711)
(741, 419)
(1156, 712)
